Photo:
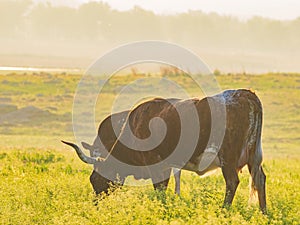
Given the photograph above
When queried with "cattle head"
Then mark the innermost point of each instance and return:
(108, 131)
(99, 182)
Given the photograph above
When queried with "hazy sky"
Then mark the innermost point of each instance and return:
(278, 9)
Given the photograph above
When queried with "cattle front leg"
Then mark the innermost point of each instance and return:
(177, 174)
(232, 182)
(161, 180)
(161, 186)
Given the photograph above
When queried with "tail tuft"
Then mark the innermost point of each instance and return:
(253, 197)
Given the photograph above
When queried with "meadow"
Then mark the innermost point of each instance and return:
(43, 182)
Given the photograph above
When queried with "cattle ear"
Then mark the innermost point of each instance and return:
(87, 146)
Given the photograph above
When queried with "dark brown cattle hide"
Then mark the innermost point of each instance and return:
(240, 146)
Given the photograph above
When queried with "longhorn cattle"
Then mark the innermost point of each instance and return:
(108, 131)
(240, 144)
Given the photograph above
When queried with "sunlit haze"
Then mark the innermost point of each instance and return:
(277, 9)
(230, 36)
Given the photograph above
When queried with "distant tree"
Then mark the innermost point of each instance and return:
(12, 16)
(94, 20)
(51, 22)
(97, 22)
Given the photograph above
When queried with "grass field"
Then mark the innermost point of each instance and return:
(43, 182)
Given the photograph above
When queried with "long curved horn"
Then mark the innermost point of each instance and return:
(82, 156)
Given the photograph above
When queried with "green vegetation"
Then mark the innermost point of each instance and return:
(43, 182)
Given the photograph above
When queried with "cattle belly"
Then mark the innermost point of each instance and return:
(207, 161)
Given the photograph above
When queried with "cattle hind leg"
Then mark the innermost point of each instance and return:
(232, 182)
